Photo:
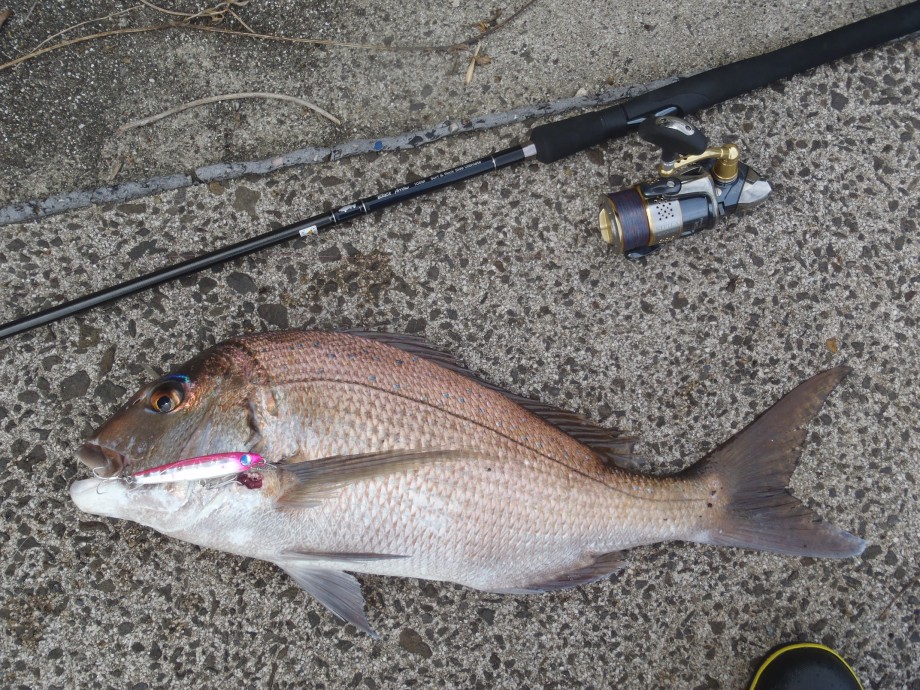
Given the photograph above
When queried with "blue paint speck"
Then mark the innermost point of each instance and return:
(378, 145)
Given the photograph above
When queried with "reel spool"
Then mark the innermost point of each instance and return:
(696, 186)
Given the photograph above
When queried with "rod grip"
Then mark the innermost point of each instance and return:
(728, 81)
(563, 138)
(556, 140)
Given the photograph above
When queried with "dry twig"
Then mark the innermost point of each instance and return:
(226, 97)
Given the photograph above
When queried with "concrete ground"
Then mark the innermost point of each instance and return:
(506, 271)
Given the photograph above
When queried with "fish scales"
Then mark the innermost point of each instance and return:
(350, 377)
(387, 457)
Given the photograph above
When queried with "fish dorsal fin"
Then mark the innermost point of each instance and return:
(337, 591)
(608, 444)
(414, 345)
(320, 479)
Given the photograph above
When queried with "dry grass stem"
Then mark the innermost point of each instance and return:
(884, 613)
(217, 12)
(485, 31)
(472, 67)
(88, 21)
(314, 41)
(227, 97)
(81, 39)
(113, 173)
(240, 20)
(174, 13)
(214, 29)
(25, 20)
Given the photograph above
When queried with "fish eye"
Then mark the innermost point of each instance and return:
(166, 397)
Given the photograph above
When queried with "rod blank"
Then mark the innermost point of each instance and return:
(550, 142)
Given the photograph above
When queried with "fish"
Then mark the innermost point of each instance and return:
(389, 457)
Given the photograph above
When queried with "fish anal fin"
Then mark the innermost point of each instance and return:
(337, 591)
(322, 478)
(629, 462)
(610, 445)
(597, 568)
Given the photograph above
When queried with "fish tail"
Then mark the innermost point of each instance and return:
(747, 479)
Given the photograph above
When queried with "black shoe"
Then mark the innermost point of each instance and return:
(805, 666)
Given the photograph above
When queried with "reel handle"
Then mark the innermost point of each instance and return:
(673, 136)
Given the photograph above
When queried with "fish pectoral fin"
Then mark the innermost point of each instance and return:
(337, 591)
(599, 567)
(320, 479)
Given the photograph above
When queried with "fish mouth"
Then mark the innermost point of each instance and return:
(104, 462)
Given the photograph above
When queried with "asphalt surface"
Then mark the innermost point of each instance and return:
(507, 271)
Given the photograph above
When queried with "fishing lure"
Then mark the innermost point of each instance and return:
(201, 467)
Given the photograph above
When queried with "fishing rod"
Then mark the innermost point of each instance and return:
(696, 185)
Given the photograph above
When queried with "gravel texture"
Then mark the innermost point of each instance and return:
(507, 271)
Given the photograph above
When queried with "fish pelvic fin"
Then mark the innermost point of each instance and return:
(748, 477)
(337, 591)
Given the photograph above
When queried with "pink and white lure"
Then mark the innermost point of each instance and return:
(202, 467)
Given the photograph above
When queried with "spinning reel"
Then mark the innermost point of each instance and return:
(696, 186)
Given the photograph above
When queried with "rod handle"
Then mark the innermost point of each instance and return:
(557, 140)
